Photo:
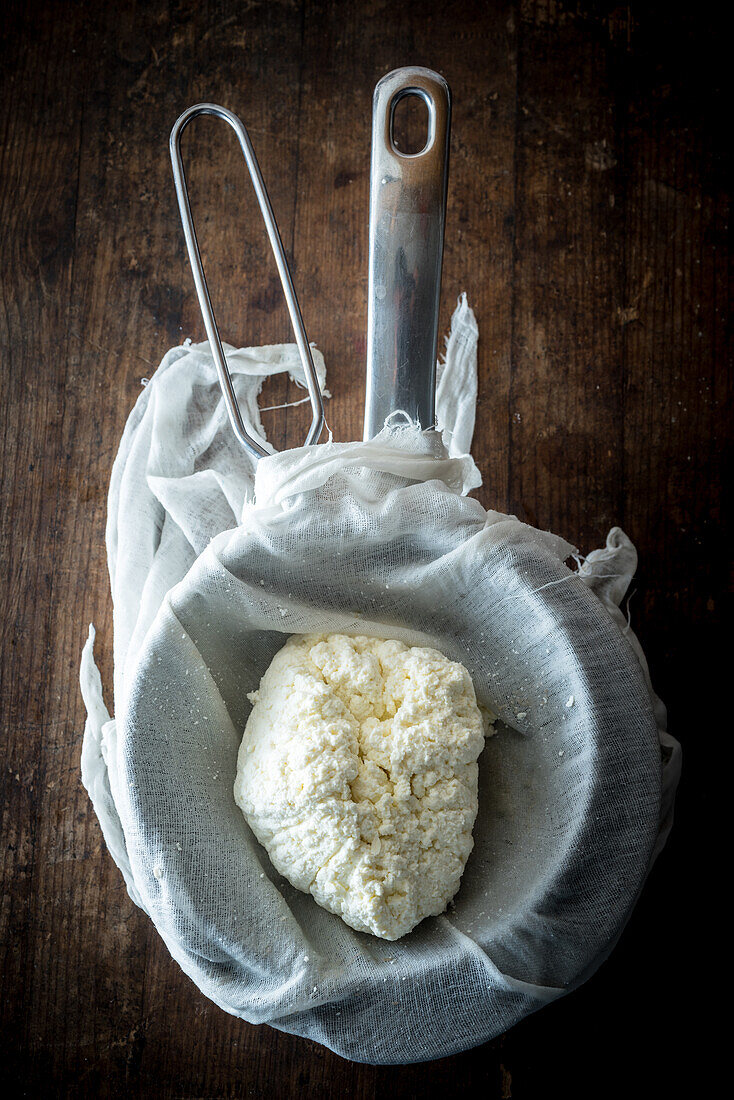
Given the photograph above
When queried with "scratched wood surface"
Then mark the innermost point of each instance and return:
(588, 222)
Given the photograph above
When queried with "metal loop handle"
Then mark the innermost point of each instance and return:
(225, 379)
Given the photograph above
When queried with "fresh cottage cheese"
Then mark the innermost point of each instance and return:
(358, 773)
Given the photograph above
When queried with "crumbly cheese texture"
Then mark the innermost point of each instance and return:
(358, 773)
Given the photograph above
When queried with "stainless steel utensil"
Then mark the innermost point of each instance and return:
(407, 214)
(225, 379)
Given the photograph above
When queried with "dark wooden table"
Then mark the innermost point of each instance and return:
(588, 223)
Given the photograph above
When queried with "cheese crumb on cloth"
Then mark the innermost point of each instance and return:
(358, 773)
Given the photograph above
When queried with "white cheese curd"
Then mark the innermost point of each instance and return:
(358, 773)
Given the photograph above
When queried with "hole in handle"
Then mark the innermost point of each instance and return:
(412, 122)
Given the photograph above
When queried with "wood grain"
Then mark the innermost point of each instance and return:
(588, 216)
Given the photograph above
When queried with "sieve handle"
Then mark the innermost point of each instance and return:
(407, 214)
(253, 445)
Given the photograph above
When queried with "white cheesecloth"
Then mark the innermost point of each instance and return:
(214, 562)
